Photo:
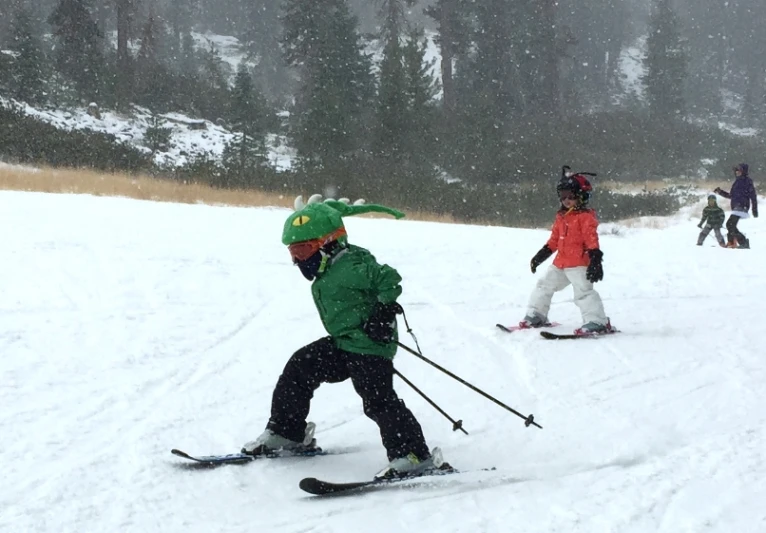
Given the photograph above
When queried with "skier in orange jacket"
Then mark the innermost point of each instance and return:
(578, 261)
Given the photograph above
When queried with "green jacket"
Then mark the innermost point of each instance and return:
(714, 216)
(345, 294)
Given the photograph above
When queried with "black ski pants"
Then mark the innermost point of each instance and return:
(373, 380)
(734, 233)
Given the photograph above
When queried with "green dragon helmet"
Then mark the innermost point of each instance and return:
(316, 220)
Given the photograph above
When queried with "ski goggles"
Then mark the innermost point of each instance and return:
(301, 251)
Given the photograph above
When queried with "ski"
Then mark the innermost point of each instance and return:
(511, 329)
(318, 487)
(555, 337)
(212, 461)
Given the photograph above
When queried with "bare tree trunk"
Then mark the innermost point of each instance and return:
(447, 38)
(124, 74)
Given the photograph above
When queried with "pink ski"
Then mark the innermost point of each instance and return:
(511, 329)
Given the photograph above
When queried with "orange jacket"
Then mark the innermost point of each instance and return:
(574, 232)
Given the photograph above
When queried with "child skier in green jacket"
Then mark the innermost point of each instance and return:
(356, 300)
(714, 216)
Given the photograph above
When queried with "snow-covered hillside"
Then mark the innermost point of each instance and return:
(190, 136)
(129, 328)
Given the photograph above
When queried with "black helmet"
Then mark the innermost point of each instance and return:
(578, 184)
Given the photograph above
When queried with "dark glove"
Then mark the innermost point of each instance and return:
(718, 190)
(699, 225)
(381, 324)
(595, 271)
(540, 257)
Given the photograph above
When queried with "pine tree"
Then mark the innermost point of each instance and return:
(155, 85)
(8, 8)
(420, 88)
(539, 60)
(125, 78)
(666, 63)
(28, 72)
(244, 160)
(490, 91)
(452, 19)
(245, 155)
(392, 106)
(184, 65)
(212, 96)
(754, 37)
(158, 136)
(600, 29)
(178, 17)
(260, 39)
(6, 70)
(707, 37)
(405, 107)
(321, 39)
(79, 49)
(248, 108)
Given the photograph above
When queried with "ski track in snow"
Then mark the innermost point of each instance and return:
(128, 328)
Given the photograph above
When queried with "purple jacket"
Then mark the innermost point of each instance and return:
(741, 194)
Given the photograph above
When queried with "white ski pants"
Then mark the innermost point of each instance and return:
(585, 296)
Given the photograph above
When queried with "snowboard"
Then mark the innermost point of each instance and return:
(511, 329)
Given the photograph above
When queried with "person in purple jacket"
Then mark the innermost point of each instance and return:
(741, 194)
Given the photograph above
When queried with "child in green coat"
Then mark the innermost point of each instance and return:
(714, 216)
(356, 300)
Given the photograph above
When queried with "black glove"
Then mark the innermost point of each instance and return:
(595, 271)
(540, 257)
(699, 225)
(381, 324)
(718, 190)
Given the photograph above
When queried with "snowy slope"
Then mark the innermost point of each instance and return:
(186, 141)
(129, 328)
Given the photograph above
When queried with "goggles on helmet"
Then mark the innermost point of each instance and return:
(301, 251)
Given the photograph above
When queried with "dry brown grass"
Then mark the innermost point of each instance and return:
(77, 181)
(124, 185)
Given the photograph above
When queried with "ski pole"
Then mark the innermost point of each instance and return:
(528, 420)
(455, 425)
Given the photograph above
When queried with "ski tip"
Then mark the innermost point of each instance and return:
(307, 483)
(179, 453)
(318, 487)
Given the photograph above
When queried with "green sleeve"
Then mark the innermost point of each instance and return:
(385, 281)
(367, 274)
